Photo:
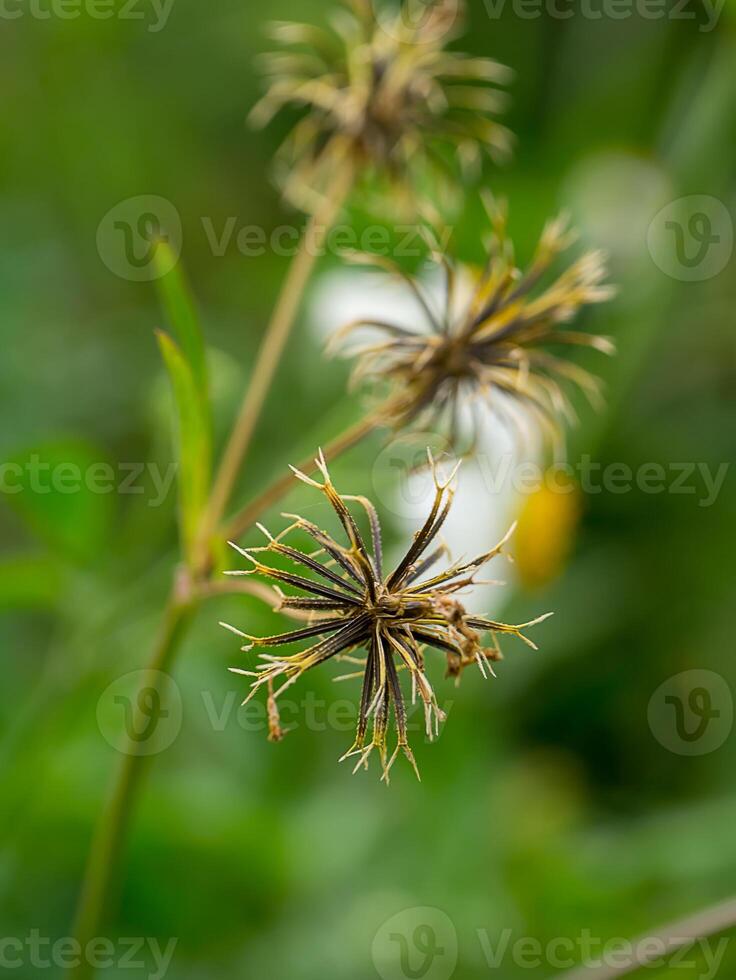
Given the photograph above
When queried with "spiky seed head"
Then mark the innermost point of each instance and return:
(500, 337)
(384, 622)
(384, 94)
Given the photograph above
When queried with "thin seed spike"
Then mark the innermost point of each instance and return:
(305, 584)
(421, 567)
(304, 478)
(375, 532)
(324, 626)
(235, 630)
(347, 677)
(418, 546)
(341, 556)
(308, 562)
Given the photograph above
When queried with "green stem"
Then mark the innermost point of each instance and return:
(255, 508)
(658, 946)
(114, 821)
(272, 347)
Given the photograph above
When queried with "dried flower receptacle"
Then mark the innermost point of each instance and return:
(498, 339)
(383, 623)
(388, 96)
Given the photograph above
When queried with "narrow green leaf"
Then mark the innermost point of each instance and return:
(194, 441)
(178, 304)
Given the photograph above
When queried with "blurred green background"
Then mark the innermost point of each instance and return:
(548, 806)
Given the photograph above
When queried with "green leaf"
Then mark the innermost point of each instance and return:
(194, 453)
(65, 493)
(178, 304)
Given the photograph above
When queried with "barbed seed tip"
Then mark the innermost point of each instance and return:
(234, 629)
(240, 551)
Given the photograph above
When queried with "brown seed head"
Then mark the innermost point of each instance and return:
(383, 622)
(389, 97)
(499, 338)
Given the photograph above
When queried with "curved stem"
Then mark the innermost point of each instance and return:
(662, 943)
(249, 514)
(272, 348)
(111, 830)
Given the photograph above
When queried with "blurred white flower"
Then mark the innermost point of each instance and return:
(487, 500)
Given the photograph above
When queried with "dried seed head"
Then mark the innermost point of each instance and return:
(500, 337)
(386, 96)
(385, 623)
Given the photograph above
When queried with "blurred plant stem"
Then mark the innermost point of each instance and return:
(111, 829)
(272, 347)
(660, 944)
(252, 511)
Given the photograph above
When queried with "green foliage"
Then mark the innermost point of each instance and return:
(63, 493)
(180, 309)
(186, 364)
(547, 806)
(29, 581)
(193, 441)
